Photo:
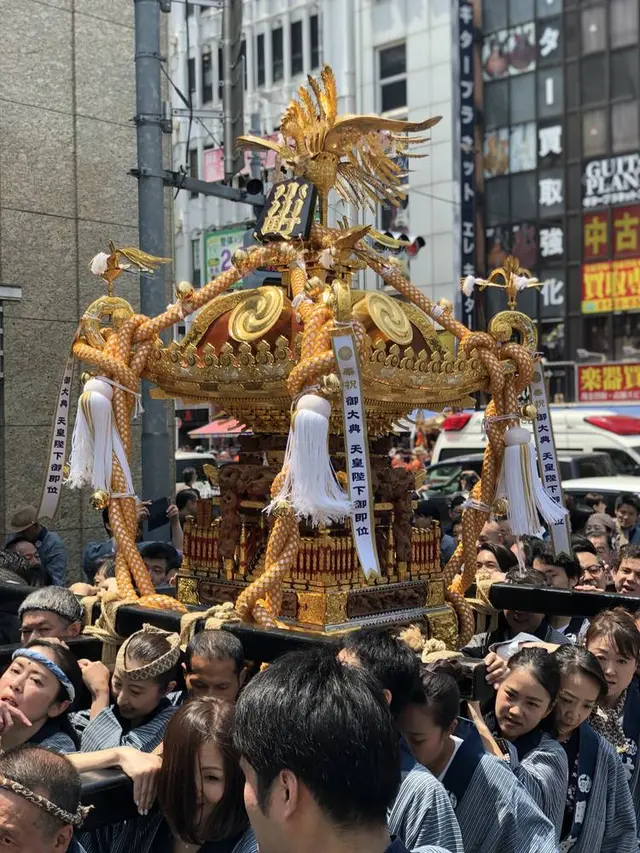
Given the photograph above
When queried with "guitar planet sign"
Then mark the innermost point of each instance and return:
(611, 180)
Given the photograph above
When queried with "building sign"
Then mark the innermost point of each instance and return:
(213, 161)
(619, 237)
(356, 445)
(608, 383)
(611, 286)
(548, 459)
(611, 180)
(219, 247)
(467, 118)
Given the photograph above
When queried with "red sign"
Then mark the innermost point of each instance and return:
(611, 286)
(213, 164)
(626, 231)
(608, 383)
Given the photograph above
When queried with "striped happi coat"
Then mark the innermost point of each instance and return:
(105, 730)
(422, 813)
(495, 813)
(544, 772)
(146, 835)
(608, 822)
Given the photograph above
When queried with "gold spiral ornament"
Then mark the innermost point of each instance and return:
(379, 310)
(252, 318)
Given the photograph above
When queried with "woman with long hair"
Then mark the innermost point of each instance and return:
(495, 813)
(598, 813)
(200, 804)
(614, 640)
(36, 692)
(521, 729)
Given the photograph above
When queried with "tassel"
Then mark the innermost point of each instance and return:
(95, 440)
(520, 484)
(310, 483)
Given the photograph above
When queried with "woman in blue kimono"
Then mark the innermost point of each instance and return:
(36, 691)
(599, 813)
(523, 726)
(615, 641)
(495, 813)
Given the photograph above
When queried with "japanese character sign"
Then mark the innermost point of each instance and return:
(356, 447)
(52, 486)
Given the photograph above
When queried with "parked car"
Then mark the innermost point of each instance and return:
(443, 477)
(608, 487)
(576, 430)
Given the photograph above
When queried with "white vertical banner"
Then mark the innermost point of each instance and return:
(548, 459)
(356, 445)
(52, 486)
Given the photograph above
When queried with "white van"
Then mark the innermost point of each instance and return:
(576, 430)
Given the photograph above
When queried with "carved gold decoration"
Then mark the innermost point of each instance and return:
(353, 154)
(211, 473)
(435, 593)
(187, 590)
(99, 500)
(252, 318)
(504, 324)
(511, 277)
(185, 290)
(380, 311)
(336, 612)
(443, 625)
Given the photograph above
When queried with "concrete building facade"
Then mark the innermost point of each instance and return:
(67, 142)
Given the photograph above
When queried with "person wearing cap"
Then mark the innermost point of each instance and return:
(39, 802)
(36, 691)
(145, 672)
(24, 524)
(51, 611)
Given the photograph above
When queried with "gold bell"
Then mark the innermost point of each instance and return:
(239, 259)
(500, 507)
(99, 500)
(529, 412)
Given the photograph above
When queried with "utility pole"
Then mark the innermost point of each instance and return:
(232, 85)
(157, 456)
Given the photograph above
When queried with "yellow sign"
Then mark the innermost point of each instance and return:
(611, 286)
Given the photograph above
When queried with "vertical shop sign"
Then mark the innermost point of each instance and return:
(467, 153)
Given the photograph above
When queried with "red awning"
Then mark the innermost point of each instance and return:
(221, 428)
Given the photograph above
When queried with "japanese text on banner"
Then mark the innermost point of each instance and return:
(548, 460)
(52, 486)
(357, 452)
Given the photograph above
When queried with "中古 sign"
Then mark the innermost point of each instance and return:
(611, 180)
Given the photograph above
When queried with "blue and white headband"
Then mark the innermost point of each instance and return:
(38, 657)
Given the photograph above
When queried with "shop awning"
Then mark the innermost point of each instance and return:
(219, 428)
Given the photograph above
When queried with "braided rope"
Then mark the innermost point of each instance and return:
(46, 805)
(156, 667)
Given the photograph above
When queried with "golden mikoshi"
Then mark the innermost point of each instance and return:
(265, 355)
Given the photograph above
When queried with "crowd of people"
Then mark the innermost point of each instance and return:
(368, 743)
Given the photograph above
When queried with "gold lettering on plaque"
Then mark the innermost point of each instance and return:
(286, 207)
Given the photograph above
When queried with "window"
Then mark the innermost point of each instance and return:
(547, 8)
(196, 267)
(260, 60)
(594, 133)
(220, 73)
(594, 29)
(623, 22)
(571, 35)
(314, 27)
(624, 74)
(190, 9)
(494, 15)
(193, 167)
(573, 85)
(626, 336)
(392, 69)
(524, 204)
(522, 98)
(191, 77)
(573, 140)
(496, 104)
(520, 11)
(207, 77)
(243, 56)
(297, 62)
(624, 127)
(594, 80)
(277, 54)
(497, 200)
